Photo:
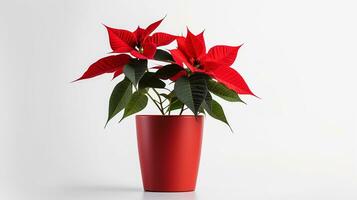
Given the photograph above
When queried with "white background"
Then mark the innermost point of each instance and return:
(297, 142)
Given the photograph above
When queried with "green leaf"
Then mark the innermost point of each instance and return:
(207, 103)
(217, 112)
(201, 110)
(168, 71)
(135, 70)
(119, 98)
(150, 80)
(202, 75)
(175, 104)
(162, 55)
(168, 96)
(191, 91)
(222, 91)
(137, 102)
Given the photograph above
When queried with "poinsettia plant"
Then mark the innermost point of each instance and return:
(186, 79)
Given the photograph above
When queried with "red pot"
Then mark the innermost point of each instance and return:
(169, 151)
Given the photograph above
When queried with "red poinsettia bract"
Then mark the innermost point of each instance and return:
(140, 44)
(216, 63)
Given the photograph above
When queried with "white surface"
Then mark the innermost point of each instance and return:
(297, 142)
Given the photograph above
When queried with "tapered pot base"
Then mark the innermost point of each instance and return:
(169, 191)
(169, 151)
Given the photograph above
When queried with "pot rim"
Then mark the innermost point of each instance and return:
(172, 116)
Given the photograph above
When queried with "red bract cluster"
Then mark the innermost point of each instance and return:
(196, 73)
(216, 63)
(139, 44)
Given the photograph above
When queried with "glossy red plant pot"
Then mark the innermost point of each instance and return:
(169, 151)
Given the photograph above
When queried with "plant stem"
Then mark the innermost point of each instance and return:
(166, 106)
(169, 106)
(153, 100)
(165, 89)
(158, 95)
(164, 100)
(182, 109)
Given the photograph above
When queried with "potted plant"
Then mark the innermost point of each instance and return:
(169, 144)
